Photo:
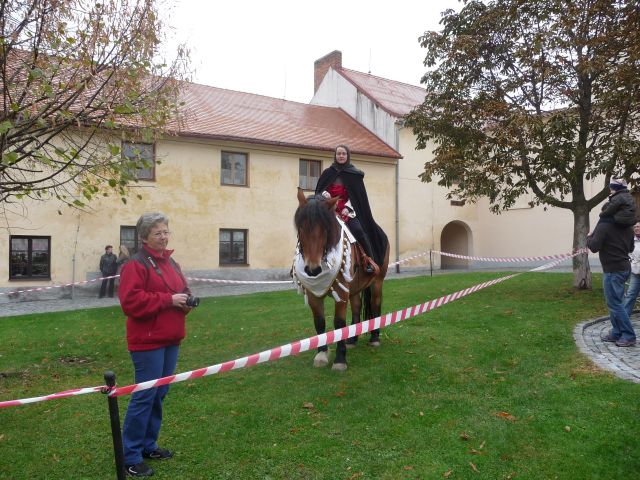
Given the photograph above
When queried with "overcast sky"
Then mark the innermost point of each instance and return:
(268, 47)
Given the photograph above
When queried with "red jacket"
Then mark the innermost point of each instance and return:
(152, 320)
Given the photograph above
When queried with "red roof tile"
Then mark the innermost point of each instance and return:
(229, 115)
(396, 98)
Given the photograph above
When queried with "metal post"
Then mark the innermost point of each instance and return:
(114, 414)
(431, 262)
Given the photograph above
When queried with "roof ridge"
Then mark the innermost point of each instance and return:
(190, 82)
(378, 76)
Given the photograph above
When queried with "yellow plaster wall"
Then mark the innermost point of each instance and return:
(188, 190)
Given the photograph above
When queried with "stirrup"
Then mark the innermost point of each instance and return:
(369, 266)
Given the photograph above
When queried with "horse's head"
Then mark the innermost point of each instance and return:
(318, 229)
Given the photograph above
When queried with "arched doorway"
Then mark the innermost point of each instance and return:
(455, 238)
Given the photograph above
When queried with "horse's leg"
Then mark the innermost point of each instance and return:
(317, 308)
(340, 321)
(355, 317)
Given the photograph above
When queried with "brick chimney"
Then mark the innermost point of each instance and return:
(321, 66)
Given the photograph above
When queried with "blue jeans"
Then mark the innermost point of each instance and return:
(613, 284)
(144, 415)
(632, 293)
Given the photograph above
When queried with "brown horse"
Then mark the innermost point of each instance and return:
(328, 262)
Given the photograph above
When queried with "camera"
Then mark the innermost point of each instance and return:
(193, 301)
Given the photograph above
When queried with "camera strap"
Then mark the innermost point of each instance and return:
(148, 260)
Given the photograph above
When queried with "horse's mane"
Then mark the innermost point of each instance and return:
(315, 212)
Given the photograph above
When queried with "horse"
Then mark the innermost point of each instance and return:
(328, 261)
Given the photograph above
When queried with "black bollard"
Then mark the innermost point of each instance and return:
(114, 414)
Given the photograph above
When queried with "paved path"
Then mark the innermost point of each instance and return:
(624, 362)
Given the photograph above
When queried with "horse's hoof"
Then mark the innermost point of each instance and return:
(339, 367)
(374, 343)
(321, 360)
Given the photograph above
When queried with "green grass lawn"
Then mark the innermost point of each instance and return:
(491, 386)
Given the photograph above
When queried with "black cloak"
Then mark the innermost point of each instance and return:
(353, 180)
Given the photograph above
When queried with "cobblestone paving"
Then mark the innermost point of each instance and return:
(622, 361)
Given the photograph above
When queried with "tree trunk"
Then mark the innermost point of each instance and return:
(581, 269)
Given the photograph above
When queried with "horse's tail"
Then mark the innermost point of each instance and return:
(367, 308)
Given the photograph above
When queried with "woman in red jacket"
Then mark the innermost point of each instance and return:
(153, 295)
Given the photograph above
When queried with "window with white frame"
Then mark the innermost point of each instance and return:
(139, 158)
(233, 168)
(309, 174)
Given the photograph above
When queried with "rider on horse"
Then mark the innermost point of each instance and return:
(345, 181)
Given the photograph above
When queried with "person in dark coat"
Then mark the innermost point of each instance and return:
(613, 243)
(108, 268)
(345, 181)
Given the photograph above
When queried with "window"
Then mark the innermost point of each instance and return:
(309, 174)
(234, 168)
(233, 247)
(129, 238)
(140, 159)
(29, 257)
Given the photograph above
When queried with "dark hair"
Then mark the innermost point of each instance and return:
(315, 212)
(108, 247)
(348, 153)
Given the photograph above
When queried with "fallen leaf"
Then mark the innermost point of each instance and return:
(510, 476)
(473, 451)
(506, 416)
(340, 394)
(308, 405)
(482, 445)
(567, 428)
(408, 467)
(447, 474)
(421, 414)
(464, 436)
(473, 467)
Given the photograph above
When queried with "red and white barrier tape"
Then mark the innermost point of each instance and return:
(290, 348)
(211, 280)
(561, 256)
(40, 289)
(53, 396)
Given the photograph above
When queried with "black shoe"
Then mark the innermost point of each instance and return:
(158, 454)
(139, 470)
(625, 343)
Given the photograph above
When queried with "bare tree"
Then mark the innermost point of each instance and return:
(78, 77)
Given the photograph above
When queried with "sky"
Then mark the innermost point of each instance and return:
(268, 47)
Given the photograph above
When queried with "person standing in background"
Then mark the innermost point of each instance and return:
(108, 268)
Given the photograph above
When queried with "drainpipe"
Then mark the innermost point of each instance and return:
(397, 142)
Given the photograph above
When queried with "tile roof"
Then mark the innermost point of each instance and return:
(222, 114)
(396, 98)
